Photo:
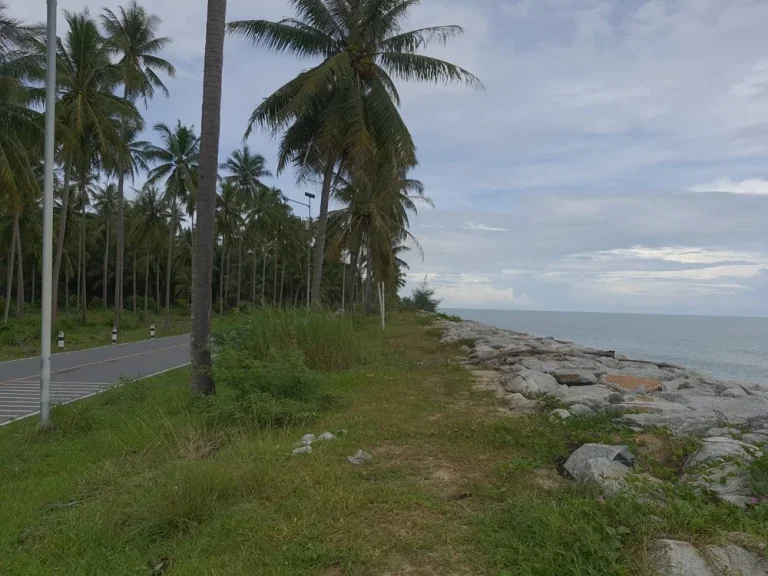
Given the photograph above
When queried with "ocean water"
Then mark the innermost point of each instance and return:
(726, 347)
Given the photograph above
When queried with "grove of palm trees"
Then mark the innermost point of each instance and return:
(146, 216)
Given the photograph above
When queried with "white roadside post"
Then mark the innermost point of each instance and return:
(47, 304)
(114, 335)
(152, 332)
(61, 340)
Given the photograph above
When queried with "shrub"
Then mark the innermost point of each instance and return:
(325, 341)
(422, 298)
(97, 302)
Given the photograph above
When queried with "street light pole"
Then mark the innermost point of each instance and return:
(47, 305)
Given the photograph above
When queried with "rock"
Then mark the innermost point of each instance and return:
(722, 447)
(624, 383)
(756, 438)
(483, 353)
(675, 558)
(520, 404)
(306, 440)
(303, 450)
(733, 393)
(575, 377)
(714, 432)
(581, 410)
(359, 457)
(737, 561)
(606, 466)
(326, 436)
(530, 383)
(560, 413)
(596, 397)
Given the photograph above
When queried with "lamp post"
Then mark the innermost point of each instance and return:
(308, 204)
(47, 305)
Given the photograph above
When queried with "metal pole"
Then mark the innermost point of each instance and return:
(47, 308)
(309, 251)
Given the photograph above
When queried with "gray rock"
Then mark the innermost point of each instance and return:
(306, 440)
(722, 447)
(606, 466)
(596, 397)
(327, 436)
(530, 383)
(581, 410)
(737, 561)
(575, 377)
(520, 404)
(483, 352)
(733, 393)
(729, 482)
(715, 432)
(675, 558)
(303, 450)
(560, 413)
(359, 458)
(755, 438)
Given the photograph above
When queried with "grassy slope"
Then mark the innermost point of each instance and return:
(133, 479)
(21, 338)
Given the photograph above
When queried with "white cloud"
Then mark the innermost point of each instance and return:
(483, 227)
(750, 186)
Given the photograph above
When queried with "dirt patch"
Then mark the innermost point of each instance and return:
(631, 383)
(548, 479)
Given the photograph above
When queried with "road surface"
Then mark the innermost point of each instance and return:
(85, 372)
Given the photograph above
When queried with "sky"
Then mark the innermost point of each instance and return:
(616, 161)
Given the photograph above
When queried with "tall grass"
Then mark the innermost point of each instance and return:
(325, 341)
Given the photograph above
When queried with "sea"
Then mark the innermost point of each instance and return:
(726, 347)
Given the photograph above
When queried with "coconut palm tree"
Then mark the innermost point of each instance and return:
(229, 221)
(132, 38)
(176, 160)
(105, 203)
(245, 170)
(342, 108)
(263, 214)
(88, 108)
(148, 229)
(200, 352)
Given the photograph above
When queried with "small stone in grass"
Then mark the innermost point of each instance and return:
(303, 450)
(326, 436)
(560, 413)
(359, 457)
(306, 440)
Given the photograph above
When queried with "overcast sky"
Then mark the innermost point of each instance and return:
(617, 160)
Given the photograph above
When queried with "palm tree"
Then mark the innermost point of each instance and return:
(246, 171)
(148, 229)
(263, 213)
(176, 160)
(339, 110)
(132, 37)
(105, 204)
(200, 352)
(88, 108)
(229, 220)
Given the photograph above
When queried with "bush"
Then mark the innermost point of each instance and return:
(97, 302)
(140, 303)
(325, 341)
(181, 304)
(422, 298)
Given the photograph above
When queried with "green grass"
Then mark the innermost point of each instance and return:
(143, 478)
(21, 338)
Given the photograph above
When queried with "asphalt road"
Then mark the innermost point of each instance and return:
(83, 373)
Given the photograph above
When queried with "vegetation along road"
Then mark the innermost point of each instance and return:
(85, 372)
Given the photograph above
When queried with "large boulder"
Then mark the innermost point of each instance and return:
(530, 383)
(676, 558)
(570, 377)
(606, 466)
(722, 448)
(596, 397)
(737, 561)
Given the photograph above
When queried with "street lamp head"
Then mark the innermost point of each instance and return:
(309, 195)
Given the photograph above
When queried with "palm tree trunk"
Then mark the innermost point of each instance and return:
(60, 245)
(34, 277)
(282, 283)
(85, 283)
(9, 283)
(79, 267)
(146, 292)
(134, 283)
(239, 269)
(106, 263)
(119, 256)
(369, 279)
(19, 271)
(322, 225)
(253, 275)
(221, 281)
(157, 279)
(66, 287)
(192, 259)
(227, 279)
(274, 273)
(352, 280)
(202, 379)
(263, 274)
(168, 270)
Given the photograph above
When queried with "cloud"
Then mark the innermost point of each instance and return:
(482, 227)
(750, 186)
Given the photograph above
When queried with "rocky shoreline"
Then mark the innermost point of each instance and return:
(728, 418)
